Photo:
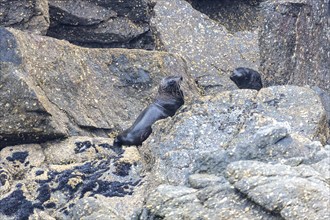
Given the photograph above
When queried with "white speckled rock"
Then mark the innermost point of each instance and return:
(295, 192)
(273, 125)
(211, 51)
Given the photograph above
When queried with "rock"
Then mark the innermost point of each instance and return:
(295, 192)
(288, 101)
(102, 23)
(286, 52)
(36, 182)
(198, 181)
(212, 202)
(64, 90)
(274, 125)
(325, 97)
(211, 51)
(26, 15)
(235, 15)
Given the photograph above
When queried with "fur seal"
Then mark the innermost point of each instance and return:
(168, 100)
(246, 78)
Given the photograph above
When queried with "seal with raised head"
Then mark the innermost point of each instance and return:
(246, 78)
(168, 100)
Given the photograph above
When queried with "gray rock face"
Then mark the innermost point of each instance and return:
(294, 192)
(211, 51)
(25, 15)
(67, 90)
(276, 124)
(211, 202)
(102, 23)
(294, 43)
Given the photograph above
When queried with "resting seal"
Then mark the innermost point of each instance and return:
(246, 78)
(168, 100)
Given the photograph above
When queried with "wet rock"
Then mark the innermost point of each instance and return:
(36, 181)
(25, 15)
(102, 23)
(211, 51)
(70, 150)
(295, 192)
(65, 90)
(294, 43)
(239, 125)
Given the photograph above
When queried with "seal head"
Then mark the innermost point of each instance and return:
(246, 78)
(168, 100)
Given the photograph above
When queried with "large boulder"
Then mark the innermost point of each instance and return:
(192, 157)
(294, 43)
(211, 51)
(274, 125)
(102, 23)
(25, 15)
(50, 88)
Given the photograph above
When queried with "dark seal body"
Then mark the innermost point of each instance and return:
(168, 100)
(246, 78)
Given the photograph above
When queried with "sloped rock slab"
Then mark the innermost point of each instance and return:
(300, 192)
(276, 124)
(37, 183)
(25, 15)
(211, 51)
(67, 90)
(214, 201)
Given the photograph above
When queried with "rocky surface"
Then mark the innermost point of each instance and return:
(67, 90)
(28, 15)
(294, 43)
(102, 23)
(70, 179)
(238, 154)
(235, 15)
(211, 51)
(193, 166)
(193, 156)
(215, 201)
(294, 192)
(276, 124)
